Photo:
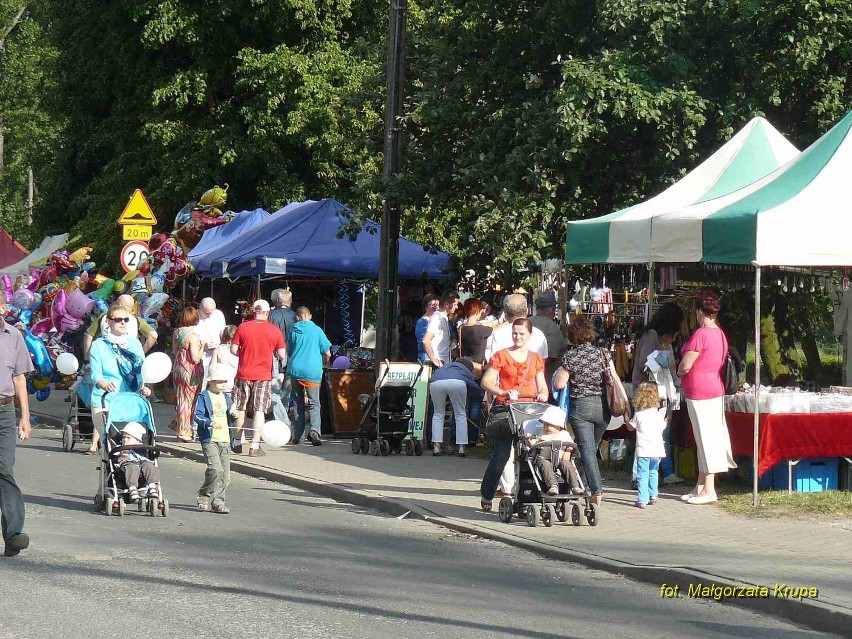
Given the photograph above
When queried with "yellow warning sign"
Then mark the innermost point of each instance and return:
(138, 232)
(137, 211)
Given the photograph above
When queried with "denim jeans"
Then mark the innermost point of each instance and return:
(281, 401)
(666, 465)
(456, 390)
(647, 477)
(499, 456)
(218, 473)
(11, 500)
(316, 417)
(589, 417)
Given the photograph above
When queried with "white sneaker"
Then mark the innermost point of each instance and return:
(436, 450)
(688, 496)
(706, 498)
(673, 479)
(553, 490)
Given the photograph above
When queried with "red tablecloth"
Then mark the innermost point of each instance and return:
(791, 436)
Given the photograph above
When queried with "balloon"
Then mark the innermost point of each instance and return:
(342, 362)
(275, 433)
(23, 298)
(39, 354)
(156, 367)
(67, 364)
(42, 394)
(59, 303)
(7, 285)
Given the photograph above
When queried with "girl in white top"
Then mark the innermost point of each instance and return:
(649, 422)
(223, 356)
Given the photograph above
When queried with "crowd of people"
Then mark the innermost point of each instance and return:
(479, 360)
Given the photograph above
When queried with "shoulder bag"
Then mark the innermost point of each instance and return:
(729, 374)
(616, 397)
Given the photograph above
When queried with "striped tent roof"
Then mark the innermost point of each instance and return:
(624, 237)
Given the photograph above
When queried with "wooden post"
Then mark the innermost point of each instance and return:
(30, 193)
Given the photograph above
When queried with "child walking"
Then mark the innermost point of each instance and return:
(211, 420)
(649, 422)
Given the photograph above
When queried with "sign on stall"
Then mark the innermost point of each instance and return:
(133, 255)
(404, 374)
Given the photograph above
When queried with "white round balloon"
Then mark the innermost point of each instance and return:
(275, 433)
(156, 367)
(67, 364)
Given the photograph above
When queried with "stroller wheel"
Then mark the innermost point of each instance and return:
(356, 446)
(396, 447)
(506, 509)
(532, 516)
(67, 438)
(164, 507)
(575, 515)
(154, 507)
(99, 503)
(384, 447)
(374, 447)
(548, 516)
(408, 445)
(418, 447)
(140, 505)
(593, 514)
(561, 514)
(122, 507)
(110, 502)
(365, 445)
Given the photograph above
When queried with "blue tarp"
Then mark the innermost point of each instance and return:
(214, 240)
(301, 240)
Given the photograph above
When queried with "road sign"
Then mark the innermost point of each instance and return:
(136, 232)
(133, 255)
(137, 211)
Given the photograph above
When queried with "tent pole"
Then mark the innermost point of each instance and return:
(649, 307)
(363, 308)
(756, 384)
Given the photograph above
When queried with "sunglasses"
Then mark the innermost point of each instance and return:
(121, 320)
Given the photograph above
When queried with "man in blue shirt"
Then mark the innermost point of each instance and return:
(310, 350)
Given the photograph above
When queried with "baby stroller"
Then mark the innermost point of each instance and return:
(113, 494)
(79, 425)
(530, 499)
(388, 422)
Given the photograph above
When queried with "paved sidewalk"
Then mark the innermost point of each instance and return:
(671, 542)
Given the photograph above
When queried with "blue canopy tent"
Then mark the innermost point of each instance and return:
(301, 240)
(214, 240)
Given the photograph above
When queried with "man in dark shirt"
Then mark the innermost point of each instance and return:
(283, 316)
(13, 385)
(544, 320)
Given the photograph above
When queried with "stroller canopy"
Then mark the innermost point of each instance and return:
(129, 407)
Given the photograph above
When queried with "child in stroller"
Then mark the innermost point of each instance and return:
(550, 427)
(131, 464)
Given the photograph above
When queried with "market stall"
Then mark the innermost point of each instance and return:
(793, 217)
(11, 251)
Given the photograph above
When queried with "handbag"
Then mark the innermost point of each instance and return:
(616, 397)
(729, 373)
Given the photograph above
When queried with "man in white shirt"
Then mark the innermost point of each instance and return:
(211, 323)
(437, 340)
(515, 307)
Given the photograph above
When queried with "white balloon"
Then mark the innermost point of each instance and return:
(156, 367)
(275, 433)
(67, 364)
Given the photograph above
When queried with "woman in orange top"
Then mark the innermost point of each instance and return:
(513, 373)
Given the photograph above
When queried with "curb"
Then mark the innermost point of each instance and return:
(805, 612)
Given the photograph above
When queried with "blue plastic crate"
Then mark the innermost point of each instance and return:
(809, 476)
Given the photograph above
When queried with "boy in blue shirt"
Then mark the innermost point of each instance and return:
(212, 412)
(310, 351)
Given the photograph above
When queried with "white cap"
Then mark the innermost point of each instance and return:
(134, 430)
(554, 415)
(260, 306)
(218, 374)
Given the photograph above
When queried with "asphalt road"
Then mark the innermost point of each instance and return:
(288, 563)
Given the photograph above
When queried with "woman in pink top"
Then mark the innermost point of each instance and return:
(703, 356)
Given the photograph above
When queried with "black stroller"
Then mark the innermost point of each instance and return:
(388, 422)
(530, 500)
(79, 425)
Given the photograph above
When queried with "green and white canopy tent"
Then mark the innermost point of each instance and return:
(798, 215)
(624, 237)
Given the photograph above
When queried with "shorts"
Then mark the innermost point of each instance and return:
(252, 395)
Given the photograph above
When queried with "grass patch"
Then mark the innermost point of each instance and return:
(828, 504)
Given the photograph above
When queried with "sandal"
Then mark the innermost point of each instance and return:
(485, 505)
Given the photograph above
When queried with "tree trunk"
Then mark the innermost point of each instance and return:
(770, 350)
(811, 351)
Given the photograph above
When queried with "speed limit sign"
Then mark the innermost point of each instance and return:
(133, 255)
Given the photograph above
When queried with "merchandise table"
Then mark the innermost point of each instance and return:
(785, 436)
